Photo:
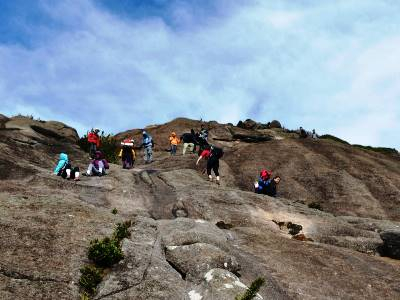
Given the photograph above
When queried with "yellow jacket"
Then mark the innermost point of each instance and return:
(133, 153)
(173, 139)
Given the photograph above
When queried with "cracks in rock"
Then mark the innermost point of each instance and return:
(183, 274)
(21, 276)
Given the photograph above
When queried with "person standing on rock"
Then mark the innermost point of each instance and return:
(204, 133)
(94, 141)
(303, 133)
(314, 135)
(173, 141)
(64, 168)
(213, 154)
(127, 153)
(147, 143)
(189, 140)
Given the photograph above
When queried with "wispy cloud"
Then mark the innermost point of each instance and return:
(332, 66)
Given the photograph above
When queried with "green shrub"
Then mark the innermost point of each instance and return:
(90, 278)
(315, 205)
(114, 211)
(252, 290)
(378, 149)
(122, 231)
(108, 146)
(105, 253)
(333, 138)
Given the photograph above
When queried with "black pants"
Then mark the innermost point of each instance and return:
(63, 172)
(213, 163)
(92, 149)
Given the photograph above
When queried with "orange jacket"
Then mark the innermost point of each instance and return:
(173, 139)
(94, 139)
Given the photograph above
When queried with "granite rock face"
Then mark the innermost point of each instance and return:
(193, 239)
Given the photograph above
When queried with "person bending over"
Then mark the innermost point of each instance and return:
(267, 186)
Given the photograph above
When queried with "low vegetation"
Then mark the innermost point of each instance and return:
(383, 150)
(333, 138)
(315, 205)
(90, 278)
(109, 146)
(252, 291)
(103, 254)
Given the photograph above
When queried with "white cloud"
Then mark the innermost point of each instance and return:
(303, 64)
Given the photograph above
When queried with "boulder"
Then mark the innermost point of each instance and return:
(3, 120)
(220, 284)
(275, 124)
(391, 246)
(248, 124)
(197, 259)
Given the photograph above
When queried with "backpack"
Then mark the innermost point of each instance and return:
(217, 152)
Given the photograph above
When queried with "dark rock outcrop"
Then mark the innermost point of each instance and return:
(391, 246)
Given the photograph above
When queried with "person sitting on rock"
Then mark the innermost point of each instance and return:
(94, 141)
(173, 141)
(127, 153)
(64, 168)
(267, 186)
(213, 154)
(97, 166)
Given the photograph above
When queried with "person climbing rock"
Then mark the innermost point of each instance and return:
(147, 143)
(267, 186)
(189, 140)
(64, 168)
(94, 141)
(204, 133)
(173, 141)
(98, 166)
(303, 133)
(213, 154)
(127, 153)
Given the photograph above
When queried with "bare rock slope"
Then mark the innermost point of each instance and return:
(190, 238)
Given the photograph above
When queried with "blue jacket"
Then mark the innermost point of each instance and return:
(266, 187)
(61, 163)
(147, 141)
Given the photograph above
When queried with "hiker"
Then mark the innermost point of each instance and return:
(314, 135)
(267, 186)
(203, 144)
(173, 141)
(204, 133)
(127, 153)
(189, 140)
(97, 166)
(148, 144)
(65, 170)
(303, 133)
(94, 141)
(213, 154)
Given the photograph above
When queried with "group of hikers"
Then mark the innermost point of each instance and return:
(193, 142)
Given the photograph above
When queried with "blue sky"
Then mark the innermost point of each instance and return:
(329, 65)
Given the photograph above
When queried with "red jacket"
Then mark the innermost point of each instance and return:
(94, 139)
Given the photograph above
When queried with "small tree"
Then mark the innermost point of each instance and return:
(108, 146)
(252, 290)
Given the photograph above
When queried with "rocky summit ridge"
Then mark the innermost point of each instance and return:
(333, 232)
